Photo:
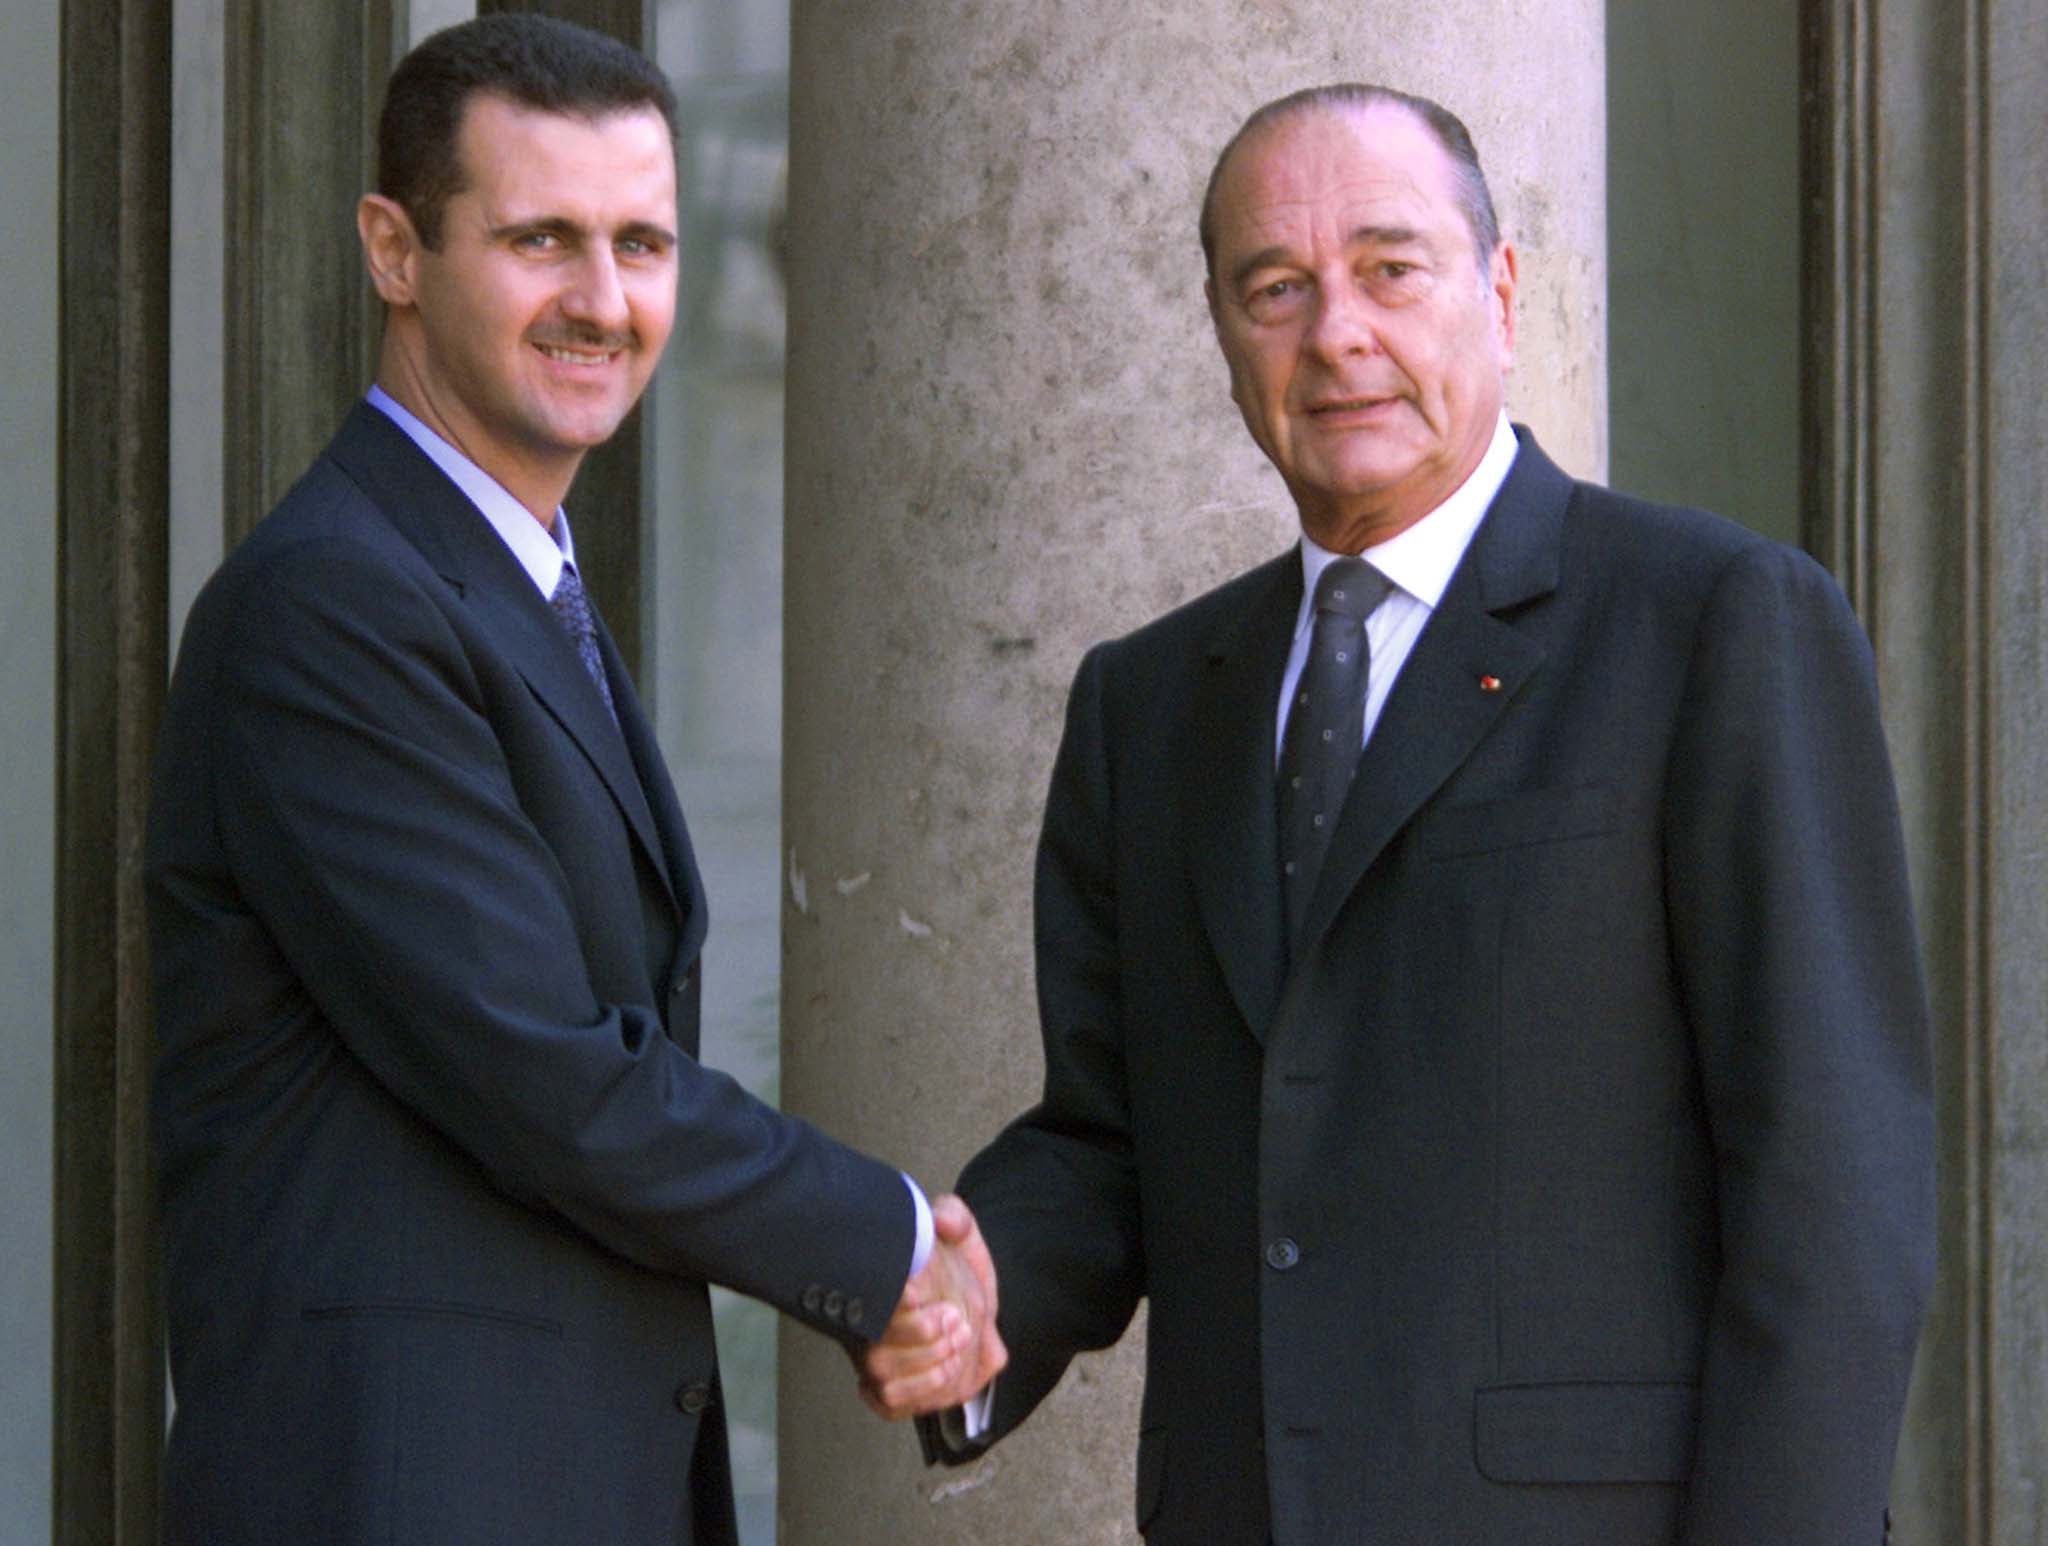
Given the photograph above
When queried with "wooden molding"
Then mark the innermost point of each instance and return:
(1838, 216)
(301, 324)
(112, 550)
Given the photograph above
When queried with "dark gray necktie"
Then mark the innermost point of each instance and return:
(1325, 727)
(572, 606)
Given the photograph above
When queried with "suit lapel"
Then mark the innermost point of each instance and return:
(1443, 705)
(1227, 780)
(680, 859)
(451, 535)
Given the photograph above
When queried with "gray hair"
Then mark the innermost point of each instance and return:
(1444, 126)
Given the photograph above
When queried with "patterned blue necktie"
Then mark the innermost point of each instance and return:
(572, 606)
(1325, 727)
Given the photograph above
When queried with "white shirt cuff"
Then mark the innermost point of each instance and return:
(920, 1253)
(974, 1411)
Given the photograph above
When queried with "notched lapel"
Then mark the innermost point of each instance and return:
(542, 652)
(1232, 831)
(686, 884)
(438, 519)
(1467, 668)
(1437, 714)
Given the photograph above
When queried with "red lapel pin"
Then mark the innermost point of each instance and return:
(1489, 684)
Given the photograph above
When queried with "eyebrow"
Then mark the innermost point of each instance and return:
(1364, 235)
(557, 225)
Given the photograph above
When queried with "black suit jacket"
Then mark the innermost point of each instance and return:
(1571, 1185)
(443, 1183)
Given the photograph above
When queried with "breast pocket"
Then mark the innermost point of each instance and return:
(1521, 820)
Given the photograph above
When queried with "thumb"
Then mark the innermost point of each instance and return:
(952, 1219)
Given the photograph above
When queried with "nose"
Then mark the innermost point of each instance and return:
(597, 298)
(1343, 323)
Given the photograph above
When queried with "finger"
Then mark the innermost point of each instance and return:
(984, 1271)
(938, 1322)
(995, 1356)
(882, 1363)
(952, 1219)
(911, 1394)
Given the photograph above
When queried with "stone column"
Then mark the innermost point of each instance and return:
(1009, 436)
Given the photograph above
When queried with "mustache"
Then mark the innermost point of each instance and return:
(587, 340)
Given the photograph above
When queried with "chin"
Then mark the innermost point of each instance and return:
(1369, 483)
(586, 433)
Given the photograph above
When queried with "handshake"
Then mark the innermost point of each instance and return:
(940, 1348)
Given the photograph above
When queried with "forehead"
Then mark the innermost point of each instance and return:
(1329, 171)
(511, 153)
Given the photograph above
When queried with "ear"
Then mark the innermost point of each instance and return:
(1501, 281)
(391, 248)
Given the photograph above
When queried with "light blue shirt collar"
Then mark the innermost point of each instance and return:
(541, 553)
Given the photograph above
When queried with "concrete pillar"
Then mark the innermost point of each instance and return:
(1009, 436)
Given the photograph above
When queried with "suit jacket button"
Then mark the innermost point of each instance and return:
(1282, 1254)
(693, 1398)
(835, 1305)
(811, 1299)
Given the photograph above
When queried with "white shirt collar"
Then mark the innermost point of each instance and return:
(1421, 559)
(541, 553)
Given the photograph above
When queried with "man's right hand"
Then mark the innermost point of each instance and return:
(941, 1346)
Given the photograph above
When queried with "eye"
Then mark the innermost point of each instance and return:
(1272, 297)
(1394, 268)
(536, 241)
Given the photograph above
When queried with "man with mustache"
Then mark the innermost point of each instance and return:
(443, 1182)
(1477, 978)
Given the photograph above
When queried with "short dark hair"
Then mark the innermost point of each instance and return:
(531, 61)
(1443, 125)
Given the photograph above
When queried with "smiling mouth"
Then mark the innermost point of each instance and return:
(573, 356)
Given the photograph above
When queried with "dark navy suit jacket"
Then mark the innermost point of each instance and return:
(443, 1182)
(1571, 1183)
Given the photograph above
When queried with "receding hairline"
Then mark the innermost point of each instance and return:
(1359, 101)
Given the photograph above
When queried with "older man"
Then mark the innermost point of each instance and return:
(1477, 978)
(444, 1183)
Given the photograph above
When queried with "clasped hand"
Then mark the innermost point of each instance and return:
(941, 1346)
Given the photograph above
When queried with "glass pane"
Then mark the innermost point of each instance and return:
(715, 598)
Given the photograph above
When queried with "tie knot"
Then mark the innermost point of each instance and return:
(1351, 586)
(572, 606)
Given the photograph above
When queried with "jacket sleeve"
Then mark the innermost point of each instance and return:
(1796, 961)
(1056, 1193)
(371, 821)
